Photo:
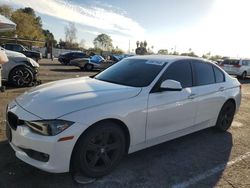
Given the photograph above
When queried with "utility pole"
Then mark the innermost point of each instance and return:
(129, 46)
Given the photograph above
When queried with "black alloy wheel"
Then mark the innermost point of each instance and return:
(99, 150)
(226, 116)
(21, 76)
(88, 67)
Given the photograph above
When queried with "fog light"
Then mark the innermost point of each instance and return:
(39, 156)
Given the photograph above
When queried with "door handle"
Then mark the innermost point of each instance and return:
(192, 96)
(221, 89)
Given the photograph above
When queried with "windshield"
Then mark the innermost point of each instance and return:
(96, 59)
(132, 72)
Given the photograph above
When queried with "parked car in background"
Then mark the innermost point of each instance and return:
(65, 58)
(20, 70)
(96, 62)
(87, 124)
(21, 49)
(238, 67)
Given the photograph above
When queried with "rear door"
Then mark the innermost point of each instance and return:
(210, 84)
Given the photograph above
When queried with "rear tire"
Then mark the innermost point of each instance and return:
(225, 117)
(244, 75)
(21, 76)
(88, 67)
(99, 150)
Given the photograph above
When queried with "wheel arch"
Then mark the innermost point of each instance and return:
(231, 100)
(119, 123)
(21, 64)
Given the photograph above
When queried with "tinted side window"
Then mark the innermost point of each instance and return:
(246, 62)
(69, 55)
(219, 75)
(77, 55)
(204, 73)
(180, 71)
(17, 48)
(8, 47)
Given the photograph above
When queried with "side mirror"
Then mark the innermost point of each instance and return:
(171, 85)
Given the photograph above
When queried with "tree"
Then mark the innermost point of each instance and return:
(6, 11)
(82, 43)
(191, 54)
(29, 11)
(104, 42)
(141, 44)
(142, 48)
(163, 52)
(117, 51)
(137, 44)
(27, 26)
(49, 38)
(70, 33)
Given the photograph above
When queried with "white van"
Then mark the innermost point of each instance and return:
(238, 67)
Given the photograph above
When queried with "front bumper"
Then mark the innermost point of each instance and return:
(23, 139)
(59, 152)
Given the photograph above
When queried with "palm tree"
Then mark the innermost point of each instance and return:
(137, 43)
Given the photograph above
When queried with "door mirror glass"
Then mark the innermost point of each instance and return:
(171, 85)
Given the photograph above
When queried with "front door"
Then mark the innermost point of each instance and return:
(170, 111)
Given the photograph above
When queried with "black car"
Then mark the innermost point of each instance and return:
(65, 58)
(20, 48)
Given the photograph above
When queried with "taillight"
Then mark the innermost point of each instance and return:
(221, 65)
(237, 65)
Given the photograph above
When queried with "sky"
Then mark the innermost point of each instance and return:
(217, 26)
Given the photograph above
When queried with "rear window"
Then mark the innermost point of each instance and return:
(231, 62)
(204, 73)
(219, 75)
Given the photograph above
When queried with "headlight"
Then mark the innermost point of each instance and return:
(33, 63)
(49, 127)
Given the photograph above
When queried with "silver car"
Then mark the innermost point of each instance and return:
(20, 70)
(94, 62)
(238, 67)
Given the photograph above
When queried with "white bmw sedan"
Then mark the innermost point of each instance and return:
(87, 124)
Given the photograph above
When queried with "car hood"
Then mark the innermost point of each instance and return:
(10, 53)
(55, 99)
(19, 59)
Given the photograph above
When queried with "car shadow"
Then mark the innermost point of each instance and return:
(67, 70)
(52, 64)
(71, 70)
(163, 165)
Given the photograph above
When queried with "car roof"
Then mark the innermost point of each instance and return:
(168, 58)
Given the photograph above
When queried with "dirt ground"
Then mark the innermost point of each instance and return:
(203, 159)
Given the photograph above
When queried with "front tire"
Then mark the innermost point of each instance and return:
(225, 117)
(21, 76)
(99, 150)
